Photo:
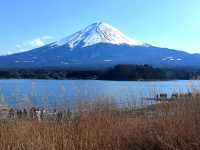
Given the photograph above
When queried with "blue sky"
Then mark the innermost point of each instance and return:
(25, 24)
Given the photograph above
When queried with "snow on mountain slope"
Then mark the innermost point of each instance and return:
(97, 33)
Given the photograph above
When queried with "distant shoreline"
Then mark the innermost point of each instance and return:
(122, 72)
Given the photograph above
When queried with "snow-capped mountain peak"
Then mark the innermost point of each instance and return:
(97, 33)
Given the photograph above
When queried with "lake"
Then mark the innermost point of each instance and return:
(58, 92)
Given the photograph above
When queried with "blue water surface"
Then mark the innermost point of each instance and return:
(60, 92)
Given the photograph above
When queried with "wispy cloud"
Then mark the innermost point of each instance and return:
(35, 43)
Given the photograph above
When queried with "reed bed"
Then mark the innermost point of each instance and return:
(102, 125)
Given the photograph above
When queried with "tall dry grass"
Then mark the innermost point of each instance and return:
(105, 126)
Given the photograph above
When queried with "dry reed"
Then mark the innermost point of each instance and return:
(105, 126)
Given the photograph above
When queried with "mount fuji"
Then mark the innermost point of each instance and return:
(98, 46)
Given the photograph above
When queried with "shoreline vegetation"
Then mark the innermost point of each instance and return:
(171, 122)
(103, 125)
(123, 72)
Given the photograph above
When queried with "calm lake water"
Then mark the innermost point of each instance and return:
(55, 92)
